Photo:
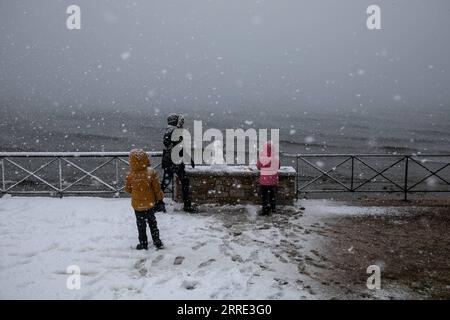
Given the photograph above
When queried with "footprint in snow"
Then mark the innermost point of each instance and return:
(199, 245)
(140, 266)
(190, 285)
(206, 263)
(281, 282)
(237, 258)
(178, 260)
(157, 260)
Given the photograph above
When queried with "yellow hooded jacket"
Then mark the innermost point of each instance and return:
(142, 182)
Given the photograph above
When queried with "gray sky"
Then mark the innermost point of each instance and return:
(226, 54)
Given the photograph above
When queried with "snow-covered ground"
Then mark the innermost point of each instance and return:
(229, 252)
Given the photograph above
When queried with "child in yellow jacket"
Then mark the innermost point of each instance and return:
(146, 197)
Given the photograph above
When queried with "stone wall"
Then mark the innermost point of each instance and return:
(234, 185)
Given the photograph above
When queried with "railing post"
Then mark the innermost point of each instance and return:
(117, 175)
(351, 178)
(3, 176)
(60, 177)
(405, 187)
(296, 179)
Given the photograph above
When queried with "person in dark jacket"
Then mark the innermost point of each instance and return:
(175, 121)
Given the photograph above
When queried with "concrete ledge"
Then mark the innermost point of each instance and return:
(234, 185)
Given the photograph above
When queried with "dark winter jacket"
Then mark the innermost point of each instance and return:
(174, 121)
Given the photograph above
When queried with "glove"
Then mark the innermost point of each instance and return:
(160, 206)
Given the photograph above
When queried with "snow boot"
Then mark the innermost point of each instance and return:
(190, 209)
(159, 245)
(142, 246)
(264, 212)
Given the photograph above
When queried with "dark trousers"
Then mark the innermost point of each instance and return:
(142, 218)
(184, 180)
(269, 198)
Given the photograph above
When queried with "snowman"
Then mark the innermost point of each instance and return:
(218, 161)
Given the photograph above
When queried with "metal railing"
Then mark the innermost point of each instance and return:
(371, 173)
(67, 173)
(97, 173)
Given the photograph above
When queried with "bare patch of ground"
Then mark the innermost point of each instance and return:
(411, 245)
(333, 243)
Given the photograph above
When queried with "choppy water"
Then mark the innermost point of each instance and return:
(301, 131)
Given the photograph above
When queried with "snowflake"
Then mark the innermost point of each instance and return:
(397, 97)
(125, 55)
(309, 139)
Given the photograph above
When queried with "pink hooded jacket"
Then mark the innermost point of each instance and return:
(269, 165)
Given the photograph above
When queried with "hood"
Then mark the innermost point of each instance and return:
(176, 120)
(139, 160)
(267, 149)
(265, 154)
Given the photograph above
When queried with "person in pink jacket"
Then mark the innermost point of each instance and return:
(268, 164)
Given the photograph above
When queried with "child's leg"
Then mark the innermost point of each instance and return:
(265, 199)
(273, 198)
(141, 226)
(151, 219)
